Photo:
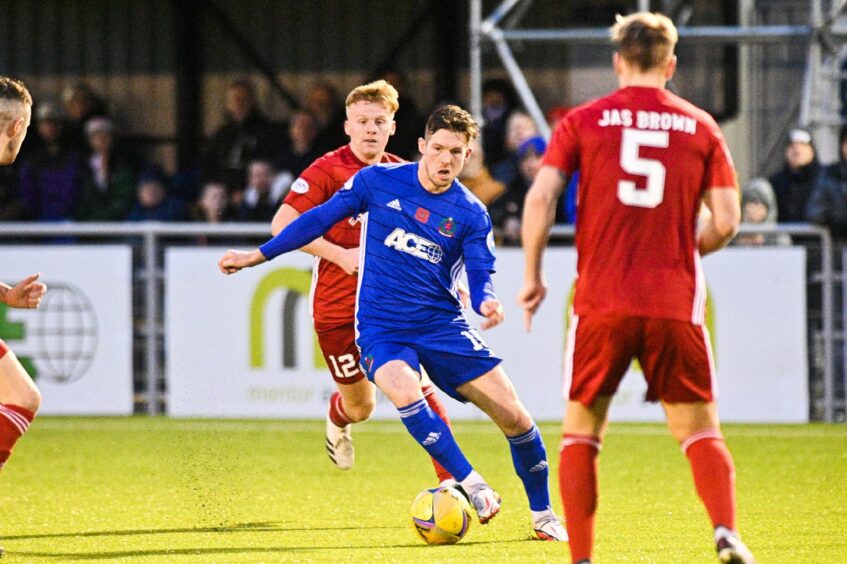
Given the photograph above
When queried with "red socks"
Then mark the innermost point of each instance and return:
(439, 409)
(336, 411)
(714, 475)
(14, 421)
(578, 487)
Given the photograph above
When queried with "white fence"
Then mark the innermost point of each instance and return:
(211, 332)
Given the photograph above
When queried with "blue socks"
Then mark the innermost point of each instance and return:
(434, 435)
(530, 459)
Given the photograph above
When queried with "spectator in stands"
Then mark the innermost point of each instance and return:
(758, 206)
(507, 210)
(50, 180)
(323, 102)
(213, 204)
(793, 184)
(246, 135)
(476, 177)
(153, 203)
(262, 197)
(410, 122)
(519, 127)
(81, 104)
(300, 152)
(828, 202)
(109, 188)
(498, 102)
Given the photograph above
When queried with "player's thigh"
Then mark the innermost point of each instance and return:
(453, 354)
(16, 387)
(677, 362)
(586, 420)
(598, 353)
(495, 395)
(687, 419)
(338, 346)
(399, 382)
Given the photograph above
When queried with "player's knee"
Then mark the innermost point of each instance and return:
(515, 421)
(361, 410)
(29, 399)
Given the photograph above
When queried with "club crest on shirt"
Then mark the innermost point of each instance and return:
(447, 227)
(422, 215)
(300, 186)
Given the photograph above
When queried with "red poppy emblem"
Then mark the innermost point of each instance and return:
(422, 215)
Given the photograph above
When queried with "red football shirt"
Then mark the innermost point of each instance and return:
(645, 159)
(333, 290)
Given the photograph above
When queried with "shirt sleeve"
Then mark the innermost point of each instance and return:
(478, 246)
(350, 200)
(563, 150)
(312, 188)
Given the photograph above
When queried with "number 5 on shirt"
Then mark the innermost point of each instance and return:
(633, 163)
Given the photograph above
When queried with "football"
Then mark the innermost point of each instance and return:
(441, 515)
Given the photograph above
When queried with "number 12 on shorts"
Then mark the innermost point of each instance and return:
(344, 366)
(475, 339)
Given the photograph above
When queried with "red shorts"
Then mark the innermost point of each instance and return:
(338, 346)
(675, 356)
(4, 348)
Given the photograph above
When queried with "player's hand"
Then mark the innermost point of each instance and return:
(233, 261)
(493, 312)
(26, 294)
(348, 260)
(530, 298)
(464, 294)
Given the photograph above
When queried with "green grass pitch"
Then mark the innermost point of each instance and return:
(159, 490)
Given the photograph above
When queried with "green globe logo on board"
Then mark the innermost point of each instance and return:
(60, 337)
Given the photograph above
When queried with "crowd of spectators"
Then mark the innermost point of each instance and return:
(74, 166)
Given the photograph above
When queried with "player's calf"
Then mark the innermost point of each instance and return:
(19, 401)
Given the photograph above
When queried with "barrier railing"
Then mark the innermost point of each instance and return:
(149, 238)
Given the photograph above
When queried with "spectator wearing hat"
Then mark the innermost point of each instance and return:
(519, 127)
(507, 210)
(153, 203)
(109, 189)
(758, 207)
(50, 180)
(793, 184)
(828, 202)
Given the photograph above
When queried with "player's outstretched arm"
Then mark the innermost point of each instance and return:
(538, 216)
(233, 261)
(26, 294)
(347, 259)
(719, 226)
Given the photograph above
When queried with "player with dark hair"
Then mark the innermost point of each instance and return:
(420, 228)
(19, 398)
(647, 161)
(370, 124)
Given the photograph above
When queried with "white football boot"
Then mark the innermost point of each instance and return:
(339, 444)
(486, 502)
(547, 526)
(730, 548)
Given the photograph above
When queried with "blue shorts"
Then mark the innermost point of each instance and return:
(451, 353)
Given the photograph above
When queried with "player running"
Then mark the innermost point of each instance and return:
(647, 159)
(370, 123)
(420, 227)
(19, 398)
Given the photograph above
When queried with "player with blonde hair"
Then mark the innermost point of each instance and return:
(647, 160)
